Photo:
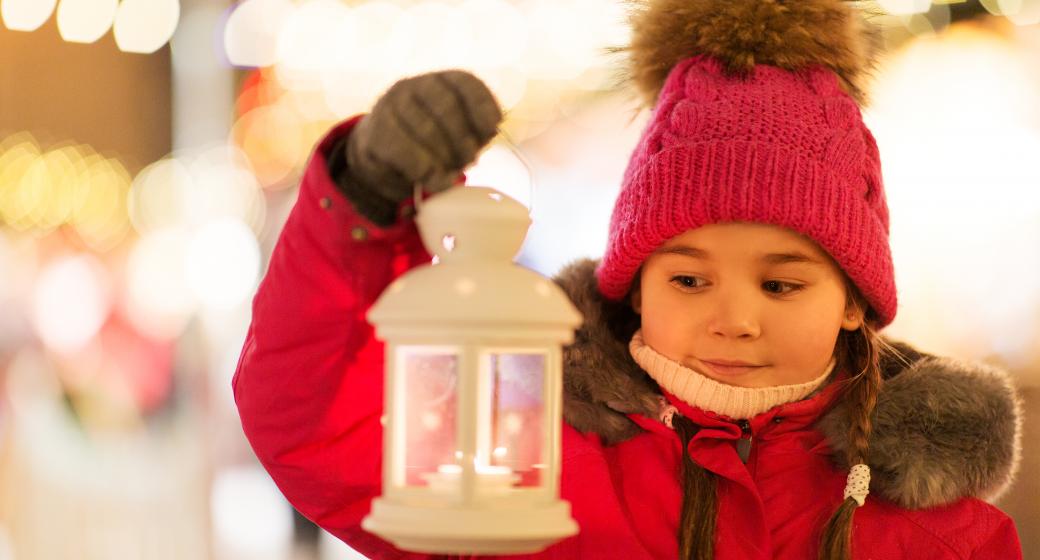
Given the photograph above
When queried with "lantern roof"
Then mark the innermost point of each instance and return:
(474, 232)
(475, 294)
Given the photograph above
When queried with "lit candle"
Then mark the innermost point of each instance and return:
(490, 478)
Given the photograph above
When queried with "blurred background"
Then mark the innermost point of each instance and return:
(150, 152)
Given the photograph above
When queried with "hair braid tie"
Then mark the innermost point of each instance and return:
(858, 485)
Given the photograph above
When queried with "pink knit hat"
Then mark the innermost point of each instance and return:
(762, 126)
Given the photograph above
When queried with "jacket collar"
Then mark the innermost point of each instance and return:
(930, 409)
(798, 415)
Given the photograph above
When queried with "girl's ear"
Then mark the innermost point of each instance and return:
(853, 318)
(636, 299)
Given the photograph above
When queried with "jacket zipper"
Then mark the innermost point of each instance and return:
(744, 443)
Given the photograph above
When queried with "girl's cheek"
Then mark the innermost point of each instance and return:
(667, 333)
(810, 344)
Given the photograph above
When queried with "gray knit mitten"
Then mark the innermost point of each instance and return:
(425, 129)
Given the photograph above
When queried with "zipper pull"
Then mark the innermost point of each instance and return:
(744, 443)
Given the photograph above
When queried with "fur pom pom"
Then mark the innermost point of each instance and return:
(740, 34)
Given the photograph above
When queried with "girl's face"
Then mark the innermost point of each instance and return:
(744, 292)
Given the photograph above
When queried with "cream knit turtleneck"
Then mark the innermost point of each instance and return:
(700, 391)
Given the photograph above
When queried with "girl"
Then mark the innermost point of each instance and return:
(729, 395)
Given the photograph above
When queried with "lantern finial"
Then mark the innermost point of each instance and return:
(467, 223)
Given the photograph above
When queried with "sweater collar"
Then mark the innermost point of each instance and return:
(703, 392)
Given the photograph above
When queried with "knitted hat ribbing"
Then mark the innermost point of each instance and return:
(781, 146)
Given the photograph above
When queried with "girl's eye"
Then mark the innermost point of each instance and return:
(686, 281)
(777, 287)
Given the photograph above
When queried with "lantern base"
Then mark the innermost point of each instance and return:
(445, 530)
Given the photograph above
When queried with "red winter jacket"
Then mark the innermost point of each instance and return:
(309, 391)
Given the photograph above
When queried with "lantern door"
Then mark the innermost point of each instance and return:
(511, 422)
(423, 403)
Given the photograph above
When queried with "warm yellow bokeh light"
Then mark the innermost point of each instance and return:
(905, 7)
(68, 185)
(1020, 12)
(272, 138)
(41, 192)
(156, 197)
(101, 217)
(15, 162)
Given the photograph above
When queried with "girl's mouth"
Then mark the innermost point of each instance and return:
(725, 370)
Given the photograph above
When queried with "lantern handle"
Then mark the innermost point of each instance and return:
(513, 147)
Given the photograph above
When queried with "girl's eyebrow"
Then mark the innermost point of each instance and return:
(790, 257)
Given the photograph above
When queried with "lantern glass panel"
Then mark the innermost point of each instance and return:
(430, 405)
(510, 435)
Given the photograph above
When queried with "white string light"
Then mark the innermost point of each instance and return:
(26, 15)
(85, 21)
(144, 26)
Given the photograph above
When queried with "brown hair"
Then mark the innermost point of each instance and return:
(856, 351)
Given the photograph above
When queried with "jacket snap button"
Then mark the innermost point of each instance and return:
(359, 233)
(325, 202)
(777, 420)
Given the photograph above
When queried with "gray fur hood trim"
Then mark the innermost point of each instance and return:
(943, 429)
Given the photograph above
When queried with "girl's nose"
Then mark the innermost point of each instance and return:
(734, 318)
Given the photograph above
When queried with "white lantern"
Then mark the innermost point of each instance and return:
(471, 445)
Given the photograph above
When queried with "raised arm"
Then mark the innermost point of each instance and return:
(309, 382)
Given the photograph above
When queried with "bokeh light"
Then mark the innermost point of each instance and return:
(251, 33)
(15, 163)
(905, 7)
(144, 26)
(100, 215)
(85, 21)
(1020, 12)
(272, 139)
(26, 15)
(222, 263)
(499, 30)
(68, 185)
(310, 40)
(448, 44)
(71, 300)
(158, 300)
(967, 89)
(223, 185)
(36, 197)
(157, 197)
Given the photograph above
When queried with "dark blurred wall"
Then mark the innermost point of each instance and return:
(117, 102)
